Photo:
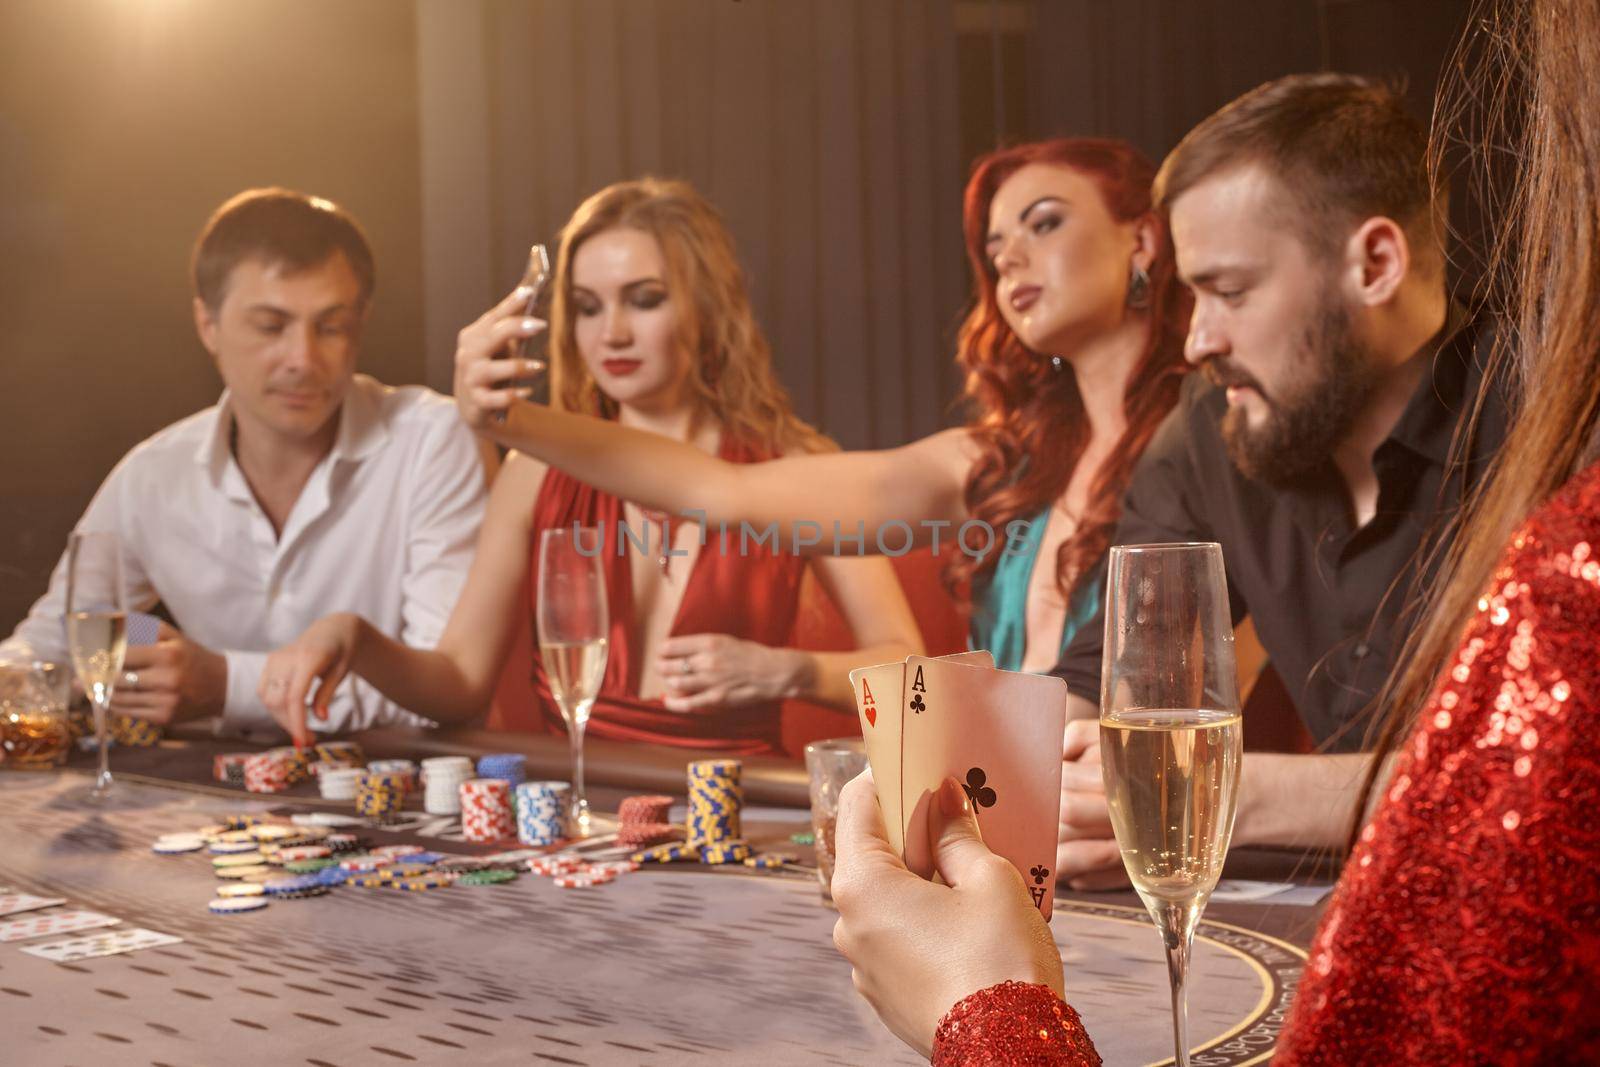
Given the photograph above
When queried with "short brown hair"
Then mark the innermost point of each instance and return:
(281, 227)
(1342, 147)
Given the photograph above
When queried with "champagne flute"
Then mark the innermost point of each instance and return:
(97, 617)
(1171, 737)
(573, 623)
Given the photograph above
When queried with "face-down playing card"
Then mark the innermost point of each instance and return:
(999, 734)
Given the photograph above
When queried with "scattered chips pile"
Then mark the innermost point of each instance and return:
(379, 795)
(542, 812)
(269, 771)
(486, 811)
(509, 767)
(571, 872)
(441, 783)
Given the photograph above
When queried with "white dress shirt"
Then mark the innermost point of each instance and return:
(385, 527)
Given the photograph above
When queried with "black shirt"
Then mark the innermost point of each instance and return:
(1331, 602)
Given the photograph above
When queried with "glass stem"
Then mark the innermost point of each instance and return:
(580, 803)
(1178, 936)
(102, 729)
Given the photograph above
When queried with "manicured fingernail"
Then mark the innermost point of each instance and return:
(953, 799)
(523, 292)
(531, 325)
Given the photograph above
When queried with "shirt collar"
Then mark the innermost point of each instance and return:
(361, 427)
(1446, 392)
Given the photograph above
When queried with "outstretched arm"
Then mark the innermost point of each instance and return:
(809, 499)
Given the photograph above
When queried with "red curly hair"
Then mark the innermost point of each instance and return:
(1028, 417)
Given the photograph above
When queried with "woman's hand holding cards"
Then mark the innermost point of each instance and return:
(486, 364)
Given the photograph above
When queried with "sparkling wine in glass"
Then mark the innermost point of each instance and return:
(1171, 737)
(573, 623)
(97, 619)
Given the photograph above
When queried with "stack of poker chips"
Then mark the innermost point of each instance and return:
(404, 769)
(486, 810)
(441, 783)
(643, 821)
(339, 783)
(509, 767)
(379, 795)
(338, 752)
(542, 812)
(229, 767)
(136, 733)
(715, 800)
(266, 772)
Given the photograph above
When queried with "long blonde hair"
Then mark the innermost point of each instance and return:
(731, 380)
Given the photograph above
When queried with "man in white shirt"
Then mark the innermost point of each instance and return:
(307, 489)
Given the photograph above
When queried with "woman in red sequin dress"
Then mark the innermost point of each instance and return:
(1466, 926)
(651, 326)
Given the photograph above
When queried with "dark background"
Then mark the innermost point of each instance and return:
(834, 134)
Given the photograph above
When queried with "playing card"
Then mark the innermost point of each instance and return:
(999, 734)
(106, 943)
(878, 690)
(143, 629)
(11, 903)
(38, 924)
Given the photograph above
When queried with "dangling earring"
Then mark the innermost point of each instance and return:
(1138, 288)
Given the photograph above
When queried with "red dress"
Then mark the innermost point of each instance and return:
(1466, 926)
(753, 595)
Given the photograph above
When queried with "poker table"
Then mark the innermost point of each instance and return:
(673, 964)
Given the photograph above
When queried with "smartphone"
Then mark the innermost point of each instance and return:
(536, 278)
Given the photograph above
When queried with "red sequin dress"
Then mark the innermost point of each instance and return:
(1466, 926)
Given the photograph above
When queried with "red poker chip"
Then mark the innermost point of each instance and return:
(582, 881)
(641, 834)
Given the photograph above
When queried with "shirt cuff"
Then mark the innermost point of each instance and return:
(244, 712)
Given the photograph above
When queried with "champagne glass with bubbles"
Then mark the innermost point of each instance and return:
(1171, 737)
(97, 619)
(573, 624)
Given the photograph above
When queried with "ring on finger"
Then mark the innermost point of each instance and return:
(130, 679)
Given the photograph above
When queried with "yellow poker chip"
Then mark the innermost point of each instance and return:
(241, 889)
(210, 833)
(260, 870)
(236, 837)
(242, 859)
(274, 832)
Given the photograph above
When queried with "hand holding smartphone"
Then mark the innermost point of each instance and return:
(536, 279)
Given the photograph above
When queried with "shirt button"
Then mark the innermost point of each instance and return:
(1361, 650)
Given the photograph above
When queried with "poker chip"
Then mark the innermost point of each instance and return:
(310, 866)
(380, 795)
(441, 783)
(235, 823)
(582, 881)
(304, 852)
(241, 889)
(365, 862)
(281, 886)
(643, 810)
(493, 876)
(716, 799)
(135, 733)
(331, 876)
(341, 844)
(638, 835)
(765, 862)
(727, 852)
(668, 854)
(229, 767)
(803, 838)
(340, 783)
(242, 859)
(403, 771)
(398, 851)
(422, 882)
(228, 905)
(173, 844)
(259, 870)
(486, 810)
(509, 767)
(541, 809)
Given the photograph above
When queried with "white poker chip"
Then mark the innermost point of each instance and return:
(229, 848)
(243, 859)
(326, 818)
(172, 844)
(241, 873)
(224, 905)
(242, 889)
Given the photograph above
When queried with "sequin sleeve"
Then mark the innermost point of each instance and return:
(1013, 1023)
(1466, 927)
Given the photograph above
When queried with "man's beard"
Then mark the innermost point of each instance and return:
(1334, 376)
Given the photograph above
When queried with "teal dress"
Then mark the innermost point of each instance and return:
(1000, 604)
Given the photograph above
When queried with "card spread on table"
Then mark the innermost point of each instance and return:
(997, 732)
(11, 903)
(105, 943)
(54, 921)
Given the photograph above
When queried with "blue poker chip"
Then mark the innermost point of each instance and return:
(424, 857)
(296, 884)
(331, 876)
